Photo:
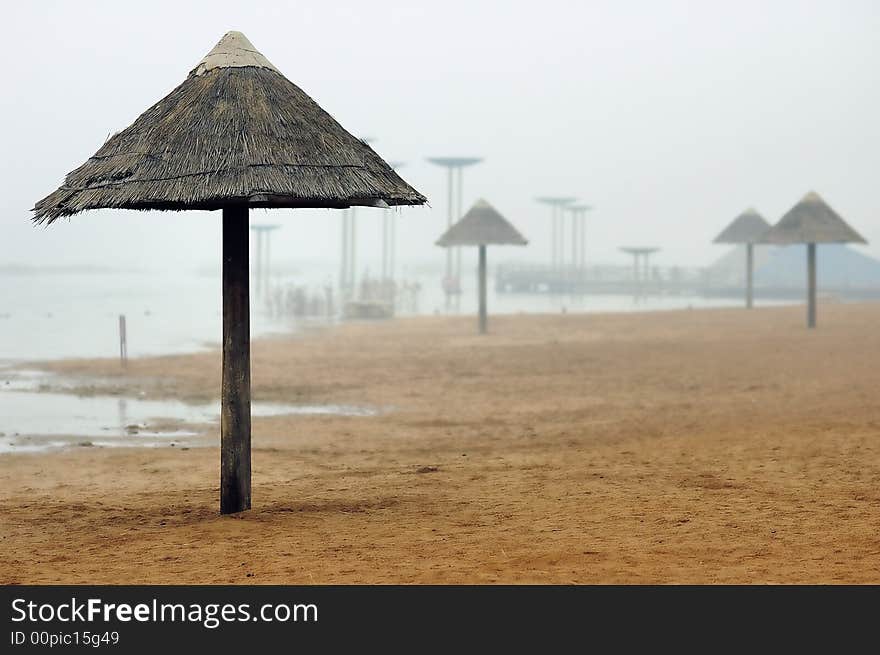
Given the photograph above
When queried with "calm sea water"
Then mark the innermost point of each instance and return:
(50, 316)
(53, 315)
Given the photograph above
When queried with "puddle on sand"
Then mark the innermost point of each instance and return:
(32, 421)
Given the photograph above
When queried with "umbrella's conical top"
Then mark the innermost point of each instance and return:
(235, 132)
(233, 51)
(482, 225)
(811, 221)
(748, 227)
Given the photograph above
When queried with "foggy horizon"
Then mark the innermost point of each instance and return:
(670, 120)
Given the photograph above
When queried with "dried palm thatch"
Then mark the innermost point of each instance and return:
(482, 225)
(748, 227)
(235, 132)
(811, 221)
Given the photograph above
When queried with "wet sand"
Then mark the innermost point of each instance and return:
(690, 446)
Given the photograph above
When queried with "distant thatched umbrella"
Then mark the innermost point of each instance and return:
(482, 225)
(811, 221)
(236, 134)
(747, 228)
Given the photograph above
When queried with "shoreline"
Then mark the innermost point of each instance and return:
(720, 445)
(309, 326)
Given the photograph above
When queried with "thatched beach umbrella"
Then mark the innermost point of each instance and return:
(811, 221)
(747, 228)
(482, 225)
(235, 134)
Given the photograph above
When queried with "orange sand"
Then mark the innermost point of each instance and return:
(693, 446)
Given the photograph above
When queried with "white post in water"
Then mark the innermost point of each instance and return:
(123, 342)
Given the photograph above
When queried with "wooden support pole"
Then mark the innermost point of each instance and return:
(811, 285)
(750, 270)
(235, 410)
(449, 210)
(483, 317)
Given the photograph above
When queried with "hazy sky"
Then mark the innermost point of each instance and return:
(669, 117)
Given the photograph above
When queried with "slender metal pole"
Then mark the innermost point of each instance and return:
(260, 266)
(639, 276)
(483, 317)
(561, 234)
(267, 273)
(811, 285)
(352, 231)
(553, 256)
(392, 263)
(385, 245)
(750, 268)
(263, 237)
(343, 264)
(235, 395)
(583, 259)
(257, 274)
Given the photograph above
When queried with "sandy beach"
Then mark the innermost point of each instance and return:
(670, 447)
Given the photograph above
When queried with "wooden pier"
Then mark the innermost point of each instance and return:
(667, 281)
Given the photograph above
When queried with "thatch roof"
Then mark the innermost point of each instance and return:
(482, 225)
(811, 221)
(235, 132)
(748, 227)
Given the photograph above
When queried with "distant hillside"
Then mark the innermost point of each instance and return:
(730, 268)
(839, 266)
